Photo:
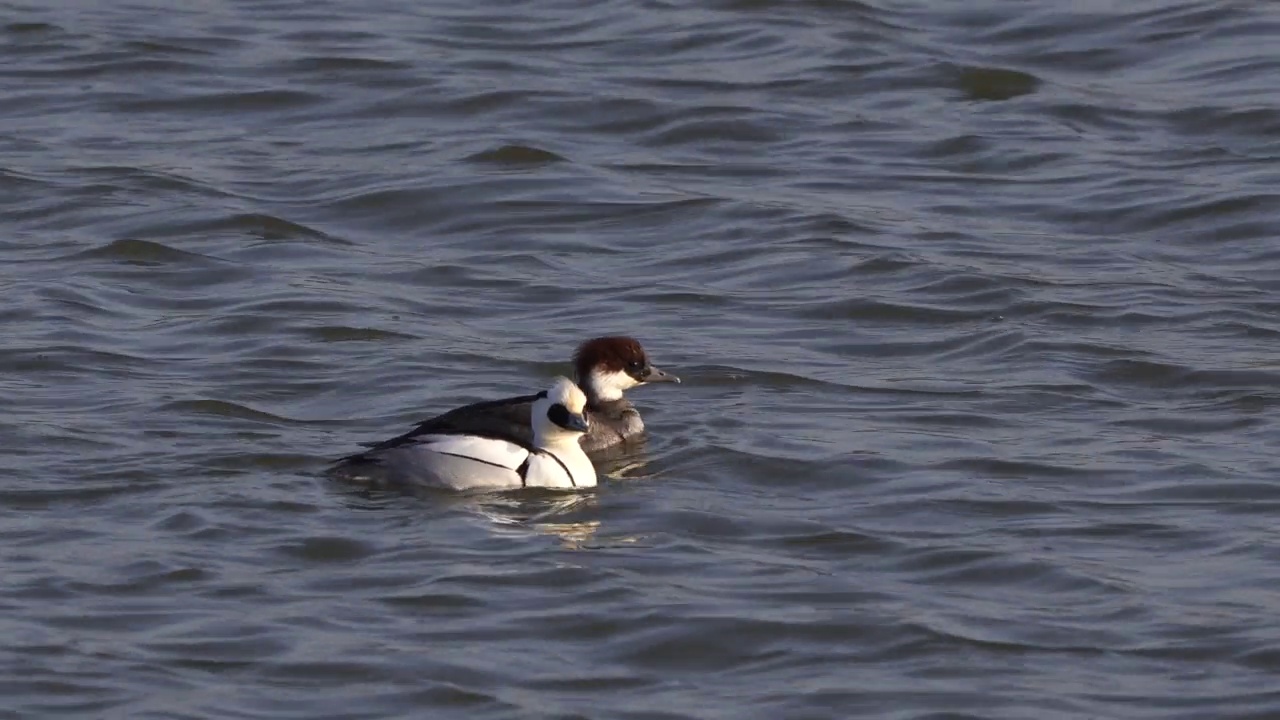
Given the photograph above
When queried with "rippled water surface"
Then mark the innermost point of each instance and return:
(976, 305)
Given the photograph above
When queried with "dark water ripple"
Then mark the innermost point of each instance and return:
(975, 307)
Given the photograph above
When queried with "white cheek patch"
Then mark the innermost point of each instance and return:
(610, 385)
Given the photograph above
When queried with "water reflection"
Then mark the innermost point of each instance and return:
(542, 513)
(558, 513)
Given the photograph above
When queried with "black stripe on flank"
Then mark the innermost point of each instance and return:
(474, 459)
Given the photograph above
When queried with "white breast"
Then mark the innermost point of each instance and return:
(558, 468)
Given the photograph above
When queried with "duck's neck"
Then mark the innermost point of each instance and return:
(556, 442)
(603, 387)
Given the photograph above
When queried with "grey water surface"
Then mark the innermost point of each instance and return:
(976, 307)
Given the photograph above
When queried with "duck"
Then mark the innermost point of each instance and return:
(604, 368)
(493, 460)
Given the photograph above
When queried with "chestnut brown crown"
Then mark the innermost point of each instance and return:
(616, 353)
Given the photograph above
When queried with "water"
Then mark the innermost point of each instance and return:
(975, 305)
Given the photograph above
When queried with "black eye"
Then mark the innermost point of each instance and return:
(558, 414)
(635, 366)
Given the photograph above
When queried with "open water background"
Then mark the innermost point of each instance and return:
(976, 306)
